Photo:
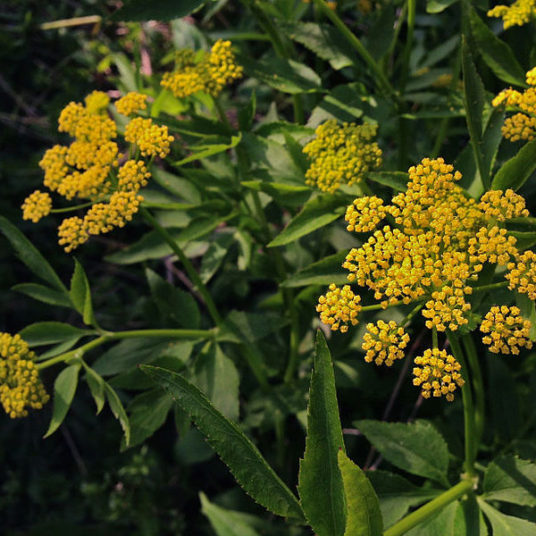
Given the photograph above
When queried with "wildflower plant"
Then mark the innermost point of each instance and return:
(290, 222)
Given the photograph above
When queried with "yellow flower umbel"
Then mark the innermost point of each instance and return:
(206, 71)
(20, 385)
(341, 154)
(384, 342)
(437, 374)
(506, 330)
(521, 125)
(36, 206)
(522, 274)
(339, 306)
(364, 214)
(93, 169)
(519, 13)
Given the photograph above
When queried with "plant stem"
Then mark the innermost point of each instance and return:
(381, 79)
(108, 336)
(471, 444)
(69, 209)
(411, 6)
(478, 384)
(491, 286)
(429, 509)
(190, 270)
(75, 21)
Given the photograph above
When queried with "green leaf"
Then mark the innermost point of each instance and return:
(44, 294)
(496, 53)
(397, 495)
(504, 525)
(64, 390)
(96, 387)
(140, 10)
(80, 294)
(226, 522)
(446, 522)
(323, 40)
(363, 516)
(525, 239)
(324, 272)
(515, 172)
(244, 460)
(246, 114)
(214, 256)
(285, 75)
(437, 6)
(380, 35)
(200, 152)
(473, 99)
(344, 102)
(417, 448)
(286, 194)
(320, 482)
(316, 213)
(173, 303)
(118, 411)
(42, 333)
(30, 256)
(216, 376)
(397, 180)
(147, 413)
(512, 480)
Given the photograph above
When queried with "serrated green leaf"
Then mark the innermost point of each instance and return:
(118, 411)
(42, 333)
(363, 516)
(446, 522)
(515, 172)
(30, 256)
(244, 460)
(512, 480)
(140, 10)
(323, 272)
(323, 40)
(226, 522)
(320, 482)
(64, 390)
(80, 294)
(316, 213)
(417, 448)
(505, 525)
(44, 294)
(216, 376)
(496, 53)
(147, 413)
(397, 495)
(96, 386)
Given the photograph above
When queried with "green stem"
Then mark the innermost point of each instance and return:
(434, 338)
(412, 5)
(190, 270)
(411, 314)
(381, 80)
(468, 409)
(491, 286)
(478, 384)
(70, 209)
(75, 21)
(429, 509)
(118, 335)
(221, 114)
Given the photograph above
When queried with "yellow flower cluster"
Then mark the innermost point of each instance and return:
(20, 385)
(519, 13)
(521, 274)
(384, 342)
(341, 154)
(36, 206)
(508, 330)
(339, 306)
(437, 374)
(364, 214)
(93, 168)
(132, 102)
(503, 205)
(521, 125)
(209, 72)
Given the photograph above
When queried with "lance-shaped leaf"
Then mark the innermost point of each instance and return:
(81, 294)
(320, 482)
(505, 525)
(30, 256)
(363, 516)
(323, 272)
(242, 457)
(515, 172)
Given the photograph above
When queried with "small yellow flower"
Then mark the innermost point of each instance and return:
(20, 385)
(506, 330)
(54, 165)
(522, 274)
(531, 77)
(519, 13)
(437, 374)
(153, 140)
(384, 342)
(132, 102)
(36, 206)
(503, 206)
(364, 214)
(72, 233)
(96, 102)
(133, 175)
(339, 306)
